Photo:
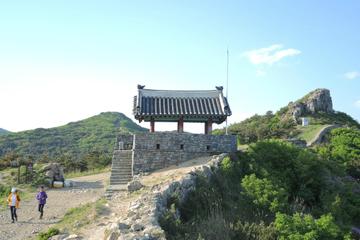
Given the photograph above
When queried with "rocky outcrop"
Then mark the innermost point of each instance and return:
(53, 172)
(141, 222)
(316, 101)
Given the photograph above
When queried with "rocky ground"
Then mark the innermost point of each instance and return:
(86, 189)
(120, 203)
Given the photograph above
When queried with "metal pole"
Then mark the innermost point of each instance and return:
(227, 85)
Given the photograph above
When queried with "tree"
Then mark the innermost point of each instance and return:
(344, 148)
(305, 227)
(264, 194)
(300, 172)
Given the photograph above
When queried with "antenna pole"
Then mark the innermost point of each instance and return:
(227, 84)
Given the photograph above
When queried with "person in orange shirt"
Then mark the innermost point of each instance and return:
(13, 202)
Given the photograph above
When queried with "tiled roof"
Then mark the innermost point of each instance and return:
(167, 105)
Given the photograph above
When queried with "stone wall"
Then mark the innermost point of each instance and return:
(126, 140)
(158, 150)
(142, 221)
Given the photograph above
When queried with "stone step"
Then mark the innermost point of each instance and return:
(121, 175)
(119, 183)
(122, 152)
(121, 170)
(117, 175)
(121, 178)
(123, 181)
(122, 160)
(121, 165)
(123, 156)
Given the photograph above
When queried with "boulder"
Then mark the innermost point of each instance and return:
(123, 226)
(316, 101)
(68, 183)
(134, 185)
(53, 172)
(73, 237)
(49, 174)
(137, 227)
(58, 184)
(114, 235)
(59, 237)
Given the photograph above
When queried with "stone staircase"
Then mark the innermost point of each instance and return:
(121, 171)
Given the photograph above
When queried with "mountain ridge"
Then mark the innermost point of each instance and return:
(96, 133)
(316, 106)
(4, 131)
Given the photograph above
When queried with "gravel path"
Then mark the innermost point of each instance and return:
(87, 189)
(120, 202)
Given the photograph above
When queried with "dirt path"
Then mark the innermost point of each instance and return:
(86, 189)
(320, 135)
(118, 206)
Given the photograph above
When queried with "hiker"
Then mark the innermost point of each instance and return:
(13, 202)
(41, 197)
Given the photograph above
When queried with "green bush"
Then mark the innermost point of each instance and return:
(4, 191)
(305, 227)
(49, 233)
(275, 190)
(254, 231)
(344, 148)
(264, 194)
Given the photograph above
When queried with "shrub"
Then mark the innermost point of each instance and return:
(49, 233)
(305, 227)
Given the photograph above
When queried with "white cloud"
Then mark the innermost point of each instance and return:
(270, 55)
(357, 103)
(352, 75)
(260, 73)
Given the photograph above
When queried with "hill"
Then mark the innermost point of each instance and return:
(316, 106)
(74, 139)
(3, 131)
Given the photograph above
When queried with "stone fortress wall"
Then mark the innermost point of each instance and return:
(152, 151)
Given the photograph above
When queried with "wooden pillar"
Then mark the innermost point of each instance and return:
(180, 126)
(152, 126)
(208, 126)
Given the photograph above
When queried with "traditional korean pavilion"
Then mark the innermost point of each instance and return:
(196, 106)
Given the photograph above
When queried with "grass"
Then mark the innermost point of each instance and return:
(26, 191)
(86, 173)
(75, 218)
(49, 233)
(309, 132)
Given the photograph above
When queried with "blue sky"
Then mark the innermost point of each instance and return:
(63, 61)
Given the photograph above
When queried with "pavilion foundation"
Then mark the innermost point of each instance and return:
(152, 151)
